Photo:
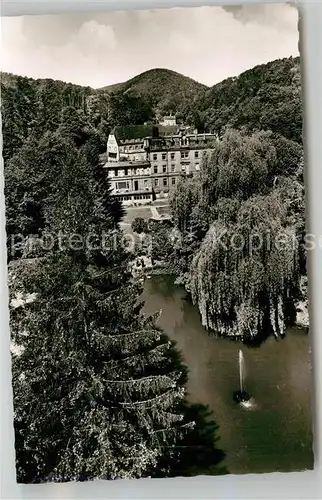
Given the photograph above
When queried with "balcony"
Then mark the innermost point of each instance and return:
(126, 164)
(122, 192)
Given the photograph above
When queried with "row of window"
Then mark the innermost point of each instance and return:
(123, 185)
(126, 172)
(157, 182)
(146, 172)
(134, 147)
(142, 196)
(136, 171)
(127, 157)
(173, 168)
(164, 169)
(125, 198)
(136, 197)
(126, 185)
(184, 154)
(164, 182)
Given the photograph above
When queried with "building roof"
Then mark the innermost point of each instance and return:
(161, 135)
(126, 164)
(130, 132)
(137, 132)
(165, 130)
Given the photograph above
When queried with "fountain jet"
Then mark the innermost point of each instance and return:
(241, 370)
(241, 396)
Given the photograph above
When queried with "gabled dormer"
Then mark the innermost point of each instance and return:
(113, 152)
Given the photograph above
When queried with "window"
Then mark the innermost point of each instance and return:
(156, 182)
(184, 154)
(196, 154)
(122, 185)
(126, 172)
(155, 157)
(164, 168)
(173, 167)
(164, 156)
(197, 167)
(165, 182)
(155, 169)
(172, 156)
(112, 155)
(173, 181)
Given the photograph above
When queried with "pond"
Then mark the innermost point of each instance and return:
(274, 434)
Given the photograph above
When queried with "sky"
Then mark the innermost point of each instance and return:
(208, 44)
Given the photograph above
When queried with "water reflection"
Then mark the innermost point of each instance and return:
(274, 431)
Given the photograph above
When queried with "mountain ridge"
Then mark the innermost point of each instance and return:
(160, 71)
(163, 88)
(267, 96)
(6, 77)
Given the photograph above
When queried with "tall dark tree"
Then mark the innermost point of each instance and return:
(30, 179)
(18, 108)
(99, 389)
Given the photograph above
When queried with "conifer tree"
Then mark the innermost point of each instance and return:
(98, 387)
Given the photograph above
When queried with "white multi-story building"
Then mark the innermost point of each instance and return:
(145, 162)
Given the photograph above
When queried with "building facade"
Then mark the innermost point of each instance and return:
(168, 121)
(145, 162)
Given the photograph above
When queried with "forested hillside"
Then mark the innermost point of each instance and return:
(32, 107)
(266, 97)
(99, 390)
(167, 91)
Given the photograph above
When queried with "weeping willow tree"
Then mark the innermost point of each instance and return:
(244, 275)
(246, 212)
(183, 201)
